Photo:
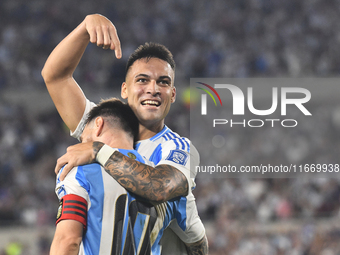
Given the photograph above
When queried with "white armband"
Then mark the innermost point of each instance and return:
(104, 154)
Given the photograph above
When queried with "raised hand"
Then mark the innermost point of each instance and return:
(103, 33)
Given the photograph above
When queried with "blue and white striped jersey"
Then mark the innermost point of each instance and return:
(167, 147)
(117, 223)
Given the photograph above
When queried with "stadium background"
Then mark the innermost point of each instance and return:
(239, 38)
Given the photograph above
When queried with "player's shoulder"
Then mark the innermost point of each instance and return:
(164, 143)
(74, 181)
(179, 147)
(82, 174)
(167, 135)
(71, 174)
(173, 139)
(88, 167)
(133, 154)
(79, 171)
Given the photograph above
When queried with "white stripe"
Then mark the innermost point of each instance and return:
(161, 210)
(143, 233)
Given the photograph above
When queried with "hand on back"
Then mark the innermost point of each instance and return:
(76, 155)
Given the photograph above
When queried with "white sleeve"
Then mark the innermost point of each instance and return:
(79, 130)
(174, 236)
(183, 157)
(195, 230)
(171, 244)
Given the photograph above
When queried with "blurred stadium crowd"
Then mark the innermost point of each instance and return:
(239, 38)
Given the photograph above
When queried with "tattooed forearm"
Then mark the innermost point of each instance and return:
(198, 248)
(156, 184)
(96, 147)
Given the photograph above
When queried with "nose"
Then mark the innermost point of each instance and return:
(152, 88)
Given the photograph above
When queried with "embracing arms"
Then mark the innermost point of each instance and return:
(156, 184)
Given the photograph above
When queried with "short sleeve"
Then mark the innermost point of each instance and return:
(74, 183)
(181, 154)
(73, 197)
(79, 130)
(188, 225)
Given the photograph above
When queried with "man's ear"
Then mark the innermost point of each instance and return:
(123, 91)
(98, 126)
(173, 96)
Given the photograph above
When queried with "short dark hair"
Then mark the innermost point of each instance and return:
(119, 115)
(151, 50)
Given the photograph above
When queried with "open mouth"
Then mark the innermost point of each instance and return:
(151, 103)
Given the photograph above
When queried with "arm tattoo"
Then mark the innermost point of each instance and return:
(96, 147)
(156, 184)
(198, 248)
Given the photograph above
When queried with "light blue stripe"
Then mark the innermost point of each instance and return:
(138, 156)
(156, 248)
(61, 189)
(181, 212)
(166, 137)
(58, 176)
(183, 145)
(156, 155)
(169, 215)
(188, 144)
(93, 175)
(163, 131)
(172, 135)
(81, 178)
(126, 222)
(176, 135)
(177, 144)
(138, 227)
(137, 146)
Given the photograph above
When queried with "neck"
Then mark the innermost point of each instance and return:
(146, 132)
(117, 140)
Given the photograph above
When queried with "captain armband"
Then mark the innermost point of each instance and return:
(73, 207)
(104, 154)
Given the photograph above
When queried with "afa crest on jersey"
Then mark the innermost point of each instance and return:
(178, 156)
(60, 209)
(131, 155)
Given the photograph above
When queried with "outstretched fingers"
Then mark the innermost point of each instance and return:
(115, 42)
(103, 33)
(67, 163)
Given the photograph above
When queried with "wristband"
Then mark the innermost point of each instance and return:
(104, 154)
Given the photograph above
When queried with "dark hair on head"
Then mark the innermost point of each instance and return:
(118, 114)
(151, 50)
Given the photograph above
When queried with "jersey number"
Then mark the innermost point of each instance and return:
(132, 235)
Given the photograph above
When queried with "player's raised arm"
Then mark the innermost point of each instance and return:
(62, 62)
